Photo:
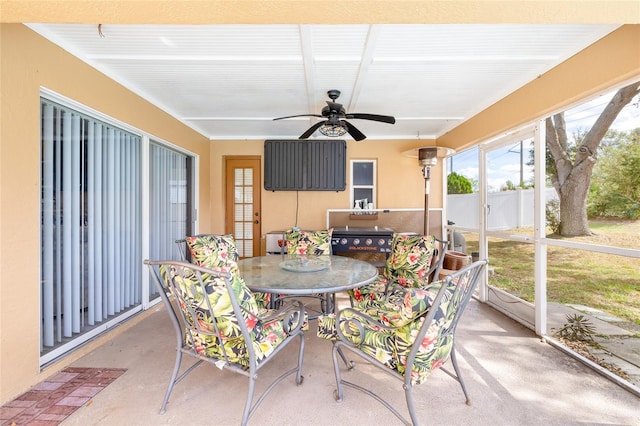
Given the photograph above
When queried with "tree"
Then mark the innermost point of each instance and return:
(615, 182)
(458, 184)
(572, 166)
(510, 186)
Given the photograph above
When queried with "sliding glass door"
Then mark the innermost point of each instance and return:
(93, 222)
(171, 212)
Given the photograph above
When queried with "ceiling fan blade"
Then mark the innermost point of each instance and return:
(375, 117)
(355, 133)
(299, 115)
(311, 129)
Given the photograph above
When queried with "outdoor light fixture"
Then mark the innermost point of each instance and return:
(428, 158)
(333, 130)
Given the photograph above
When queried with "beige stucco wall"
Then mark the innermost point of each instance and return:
(321, 11)
(399, 179)
(28, 62)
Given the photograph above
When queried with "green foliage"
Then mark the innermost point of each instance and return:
(615, 182)
(510, 186)
(577, 329)
(458, 184)
(552, 214)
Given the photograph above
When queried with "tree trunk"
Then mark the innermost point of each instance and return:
(573, 206)
(572, 177)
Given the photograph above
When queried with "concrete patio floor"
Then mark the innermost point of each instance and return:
(512, 376)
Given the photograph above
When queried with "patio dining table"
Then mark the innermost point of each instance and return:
(305, 275)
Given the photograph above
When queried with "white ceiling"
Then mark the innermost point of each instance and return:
(230, 81)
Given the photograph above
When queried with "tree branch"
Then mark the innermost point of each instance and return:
(591, 141)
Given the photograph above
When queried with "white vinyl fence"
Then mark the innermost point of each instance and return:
(507, 209)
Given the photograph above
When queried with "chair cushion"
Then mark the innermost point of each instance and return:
(309, 242)
(401, 306)
(265, 335)
(410, 258)
(372, 291)
(212, 250)
(436, 344)
(215, 251)
(375, 342)
(403, 311)
(407, 266)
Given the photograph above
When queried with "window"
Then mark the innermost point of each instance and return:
(363, 183)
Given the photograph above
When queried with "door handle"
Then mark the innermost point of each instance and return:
(256, 221)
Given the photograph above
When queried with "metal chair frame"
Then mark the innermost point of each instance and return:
(437, 259)
(179, 311)
(184, 250)
(463, 292)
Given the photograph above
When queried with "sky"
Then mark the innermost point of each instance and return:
(504, 163)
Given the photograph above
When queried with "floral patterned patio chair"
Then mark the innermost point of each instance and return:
(308, 242)
(217, 320)
(216, 251)
(413, 258)
(410, 332)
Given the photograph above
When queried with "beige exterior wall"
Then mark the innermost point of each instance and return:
(399, 179)
(322, 11)
(28, 62)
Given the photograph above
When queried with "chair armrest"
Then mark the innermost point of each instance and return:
(287, 311)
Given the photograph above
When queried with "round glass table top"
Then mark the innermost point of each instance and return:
(294, 274)
(306, 264)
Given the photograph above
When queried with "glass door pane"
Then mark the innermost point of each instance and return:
(170, 202)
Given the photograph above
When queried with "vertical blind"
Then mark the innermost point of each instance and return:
(169, 203)
(91, 223)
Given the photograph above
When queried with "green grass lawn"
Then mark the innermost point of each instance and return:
(606, 282)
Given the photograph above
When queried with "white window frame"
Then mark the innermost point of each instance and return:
(373, 186)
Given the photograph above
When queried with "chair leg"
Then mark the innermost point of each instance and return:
(299, 377)
(339, 392)
(454, 361)
(328, 303)
(347, 363)
(409, 397)
(247, 407)
(172, 382)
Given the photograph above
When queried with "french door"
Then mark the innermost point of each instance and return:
(242, 203)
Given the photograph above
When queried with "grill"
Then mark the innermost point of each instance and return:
(361, 240)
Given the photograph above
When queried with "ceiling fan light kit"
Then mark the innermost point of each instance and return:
(336, 123)
(333, 130)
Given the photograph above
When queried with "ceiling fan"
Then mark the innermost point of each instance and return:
(336, 123)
